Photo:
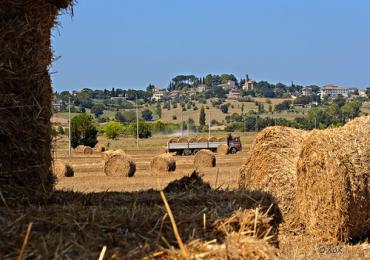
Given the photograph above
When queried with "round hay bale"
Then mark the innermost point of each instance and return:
(333, 182)
(212, 139)
(202, 139)
(193, 139)
(271, 164)
(79, 149)
(162, 150)
(222, 139)
(222, 149)
(205, 158)
(99, 148)
(183, 140)
(88, 150)
(173, 140)
(118, 163)
(62, 169)
(163, 163)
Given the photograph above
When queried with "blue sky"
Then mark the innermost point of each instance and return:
(129, 44)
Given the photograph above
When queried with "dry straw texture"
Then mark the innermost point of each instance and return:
(213, 139)
(271, 164)
(222, 149)
(183, 140)
(222, 139)
(173, 140)
(333, 182)
(79, 149)
(62, 169)
(204, 158)
(202, 139)
(88, 150)
(118, 163)
(99, 148)
(163, 163)
(25, 96)
(132, 225)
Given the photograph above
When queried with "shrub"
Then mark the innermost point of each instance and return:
(83, 132)
(112, 129)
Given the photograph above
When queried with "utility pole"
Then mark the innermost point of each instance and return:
(69, 126)
(209, 124)
(188, 127)
(182, 127)
(137, 124)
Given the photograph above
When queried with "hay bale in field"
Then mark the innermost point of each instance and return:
(62, 169)
(271, 164)
(118, 163)
(79, 149)
(99, 148)
(162, 150)
(205, 158)
(26, 94)
(163, 163)
(333, 171)
(202, 139)
(222, 149)
(88, 150)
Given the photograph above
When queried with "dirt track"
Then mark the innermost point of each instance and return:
(89, 175)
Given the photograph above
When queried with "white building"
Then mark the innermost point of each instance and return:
(157, 96)
(228, 85)
(249, 85)
(333, 91)
(307, 91)
(362, 93)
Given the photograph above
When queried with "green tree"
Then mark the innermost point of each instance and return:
(83, 132)
(270, 108)
(147, 115)
(60, 130)
(119, 117)
(224, 108)
(351, 109)
(202, 117)
(98, 110)
(159, 110)
(144, 129)
(112, 129)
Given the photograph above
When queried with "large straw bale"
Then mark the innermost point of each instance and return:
(193, 139)
(79, 149)
(173, 140)
(118, 163)
(183, 140)
(25, 96)
(205, 158)
(163, 163)
(222, 149)
(271, 164)
(212, 139)
(62, 169)
(202, 139)
(222, 139)
(333, 171)
(99, 148)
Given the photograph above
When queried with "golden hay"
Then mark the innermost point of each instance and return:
(205, 158)
(271, 164)
(222, 149)
(193, 139)
(183, 140)
(222, 139)
(333, 171)
(88, 150)
(99, 148)
(202, 139)
(62, 169)
(163, 163)
(79, 149)
(212, 139)
(173, 140)
(118, 163)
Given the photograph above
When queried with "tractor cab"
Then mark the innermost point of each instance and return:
(234, 144)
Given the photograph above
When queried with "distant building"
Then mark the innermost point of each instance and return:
(228, 85)
(333, 91)
(307, 91)
(202, 87)
(234, 94)
(57, 104)
(158, 95)
(248, 84)
(362, 93)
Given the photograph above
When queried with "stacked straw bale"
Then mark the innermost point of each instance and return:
(205, 158)
(118, 163)
(183, 140)
(163, 163)
(333, 200)
(25, 96)
(202, 139)
(212, 139)
(222, 149)
(62, 169)
(173, 140)
(222, 139)
(271, 164)
(84, 149)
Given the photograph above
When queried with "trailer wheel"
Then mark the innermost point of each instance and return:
(195, 151)
(187, 152)
(233, 150)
